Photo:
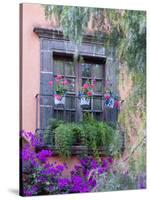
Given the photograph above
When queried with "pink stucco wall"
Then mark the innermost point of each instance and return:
(32, 16)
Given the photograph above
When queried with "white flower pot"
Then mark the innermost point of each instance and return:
(84, 101)
(58, 102)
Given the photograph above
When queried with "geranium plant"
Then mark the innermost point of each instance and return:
(88, 88)
(87, 92)
(111, 99)
(60, 87)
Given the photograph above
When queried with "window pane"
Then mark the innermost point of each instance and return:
(58, 67)
(59, 114)
(70, 102)
(85, 80)
(46, 100)
(97, 103)
(98, 71)
(69, 68)
(71, 84)
(70, 116)
(45, 88)
(98, 87)
(86, 70)
(45, 115)
(98, 116)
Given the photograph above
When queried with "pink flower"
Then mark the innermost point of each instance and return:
(92, 86)
(94, 81)
(58, 97)
(65, 82)
(50, 83)
(89, 94)
(116, 105)
(107, 97)
(86, 86)
(59, 76)
(57, 80)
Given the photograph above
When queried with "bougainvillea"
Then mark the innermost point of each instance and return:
(41, 176)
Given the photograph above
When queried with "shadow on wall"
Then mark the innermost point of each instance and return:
(13, 191)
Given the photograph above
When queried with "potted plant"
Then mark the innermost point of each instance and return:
(60, 89)
(111, 99)
(86, 93)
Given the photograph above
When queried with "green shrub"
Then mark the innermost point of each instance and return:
(99, 134)
(64, 139)
(89, 132)
(49, 132)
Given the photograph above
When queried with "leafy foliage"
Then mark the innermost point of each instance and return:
(64, 139)
(90, 133)
(49, 132)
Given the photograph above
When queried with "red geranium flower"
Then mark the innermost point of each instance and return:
(86, 86)
(116, 104)
(59, 76)
(107, 97)
(89, 94)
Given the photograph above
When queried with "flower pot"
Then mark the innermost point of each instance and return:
(84, 101)
(59, 100)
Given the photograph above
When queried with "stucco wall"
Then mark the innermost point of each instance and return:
(32, 15)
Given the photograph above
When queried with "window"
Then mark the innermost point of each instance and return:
(77, 73)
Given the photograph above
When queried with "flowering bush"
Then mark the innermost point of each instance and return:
(40, 176)
(60, 86)
(87, 89)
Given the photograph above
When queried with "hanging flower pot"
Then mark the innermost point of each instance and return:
(59, 100)
(60, 88)
(84, 101)
(86, 93)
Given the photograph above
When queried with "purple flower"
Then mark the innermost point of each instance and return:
(63, 182)
(43, 155)
(27, 153)
(105, 164)
(92, 182)
(100, 170)
(41, 179)
(77, 179)
(60, 168)
(65, 165)
(142, 182)
(85, 188)
(94, 164)
(49, 171)
(110, 160)
(30, 191)
(83, 162)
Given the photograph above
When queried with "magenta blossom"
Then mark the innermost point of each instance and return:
(58, 97)
(44, 154)
(50, 83)
(86, 86)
